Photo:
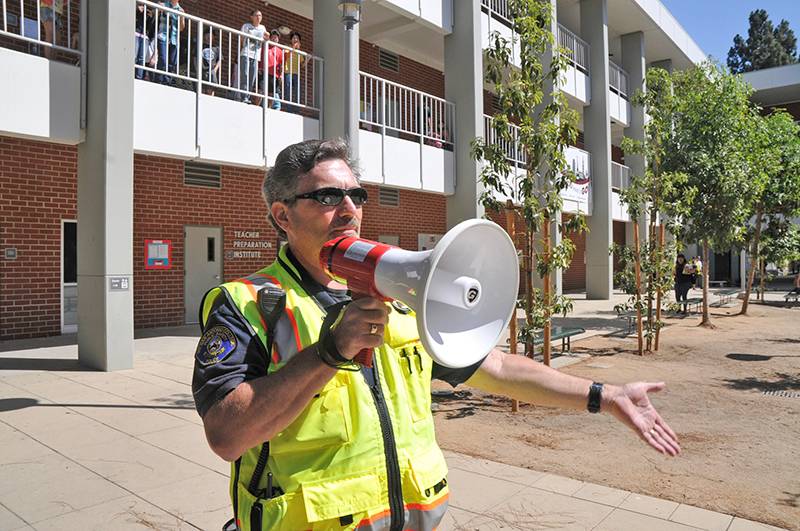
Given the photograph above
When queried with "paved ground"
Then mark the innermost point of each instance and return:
(125, 450)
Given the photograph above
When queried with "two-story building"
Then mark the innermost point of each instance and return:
(134, 139)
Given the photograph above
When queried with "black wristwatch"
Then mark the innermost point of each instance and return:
(595, 394)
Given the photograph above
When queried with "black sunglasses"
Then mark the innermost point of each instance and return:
(334, 196)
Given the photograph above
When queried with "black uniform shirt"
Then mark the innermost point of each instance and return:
(228, 354)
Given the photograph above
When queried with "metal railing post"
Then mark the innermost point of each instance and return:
(199, 90)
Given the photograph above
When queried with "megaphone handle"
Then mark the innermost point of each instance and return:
(364, 357)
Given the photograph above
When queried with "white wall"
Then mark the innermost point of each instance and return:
(619, 211)
(576, 83)
(619, 108)
(174, 123)
(437, 13)
(39, 98)
(406, 164)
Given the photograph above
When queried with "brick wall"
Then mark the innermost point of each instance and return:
(574, 278)
(38, 189)
(163, 205)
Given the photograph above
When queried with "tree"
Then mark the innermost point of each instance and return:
(656, 194)
(710, 122)
(542, 125)
(774, 151)
(766, 46)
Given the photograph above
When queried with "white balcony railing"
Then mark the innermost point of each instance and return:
(620, 176)
(500, 10)
(398, 110)
(577, 48)
(175, 48)
(39, 29)
(618, 79)
(511, 148)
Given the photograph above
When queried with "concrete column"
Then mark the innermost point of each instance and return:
(340, 77)
(633, 62)
(105, 192)
(463, 80)
(666, 64)
(597, 135)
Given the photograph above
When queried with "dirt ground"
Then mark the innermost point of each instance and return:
(741, 448)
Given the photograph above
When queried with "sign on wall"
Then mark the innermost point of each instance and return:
(247, 244)
(157, 254)
(580, 163)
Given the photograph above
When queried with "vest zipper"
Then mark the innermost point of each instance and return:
(390, 451)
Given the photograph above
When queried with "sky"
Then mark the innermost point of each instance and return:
(713, 23)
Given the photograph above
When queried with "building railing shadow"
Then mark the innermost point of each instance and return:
(14, 404)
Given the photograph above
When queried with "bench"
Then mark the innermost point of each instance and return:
(716, 283)
(794, 294)
(726, 295)
(694, 301)
(630, 317)
(559, 332)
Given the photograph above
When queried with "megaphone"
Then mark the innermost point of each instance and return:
(463, 291)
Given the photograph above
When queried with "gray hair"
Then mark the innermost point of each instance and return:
(280, 183)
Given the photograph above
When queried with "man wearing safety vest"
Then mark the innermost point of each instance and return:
(314, 440)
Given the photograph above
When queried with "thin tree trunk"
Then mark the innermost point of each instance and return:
(763, 279)
(637, 268)
(546, 290)
(753, 262)
(658, 286)
(529, 347)
(706, 319)
(512, 326)
(651, 256)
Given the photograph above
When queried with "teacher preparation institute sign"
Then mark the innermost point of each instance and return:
(247, 244)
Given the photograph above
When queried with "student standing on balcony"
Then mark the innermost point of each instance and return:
(51, 14)
(145, 29)
(169, 25)
(250, 56)
(292, 61)
(314, 440)
(274, 68)
(211, 63)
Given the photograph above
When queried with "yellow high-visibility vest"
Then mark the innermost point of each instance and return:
(356, 455)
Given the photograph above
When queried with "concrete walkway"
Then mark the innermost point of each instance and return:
(125, 450)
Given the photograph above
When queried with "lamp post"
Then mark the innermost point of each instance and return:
(351, 15)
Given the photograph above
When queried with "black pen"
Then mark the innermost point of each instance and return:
(269, 485)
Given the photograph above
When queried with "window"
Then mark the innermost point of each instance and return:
(201, 174)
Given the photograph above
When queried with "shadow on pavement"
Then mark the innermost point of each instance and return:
(14, 404)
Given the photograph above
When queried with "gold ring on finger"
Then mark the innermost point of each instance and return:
(373, 328)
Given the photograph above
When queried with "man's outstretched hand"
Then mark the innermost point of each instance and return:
(631, 405)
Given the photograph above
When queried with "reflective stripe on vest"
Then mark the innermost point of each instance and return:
(330, 462)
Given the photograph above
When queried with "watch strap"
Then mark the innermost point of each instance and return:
(595, 394)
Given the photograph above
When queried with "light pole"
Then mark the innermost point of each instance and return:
(351, 15)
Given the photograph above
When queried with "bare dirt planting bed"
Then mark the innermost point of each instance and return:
(741, 448)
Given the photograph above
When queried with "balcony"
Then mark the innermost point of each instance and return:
(618, 99)
(41, 87)
(575, 81)
(406, 137)
(195, 104)
(576, 197)
(620, 180)
(496, 17)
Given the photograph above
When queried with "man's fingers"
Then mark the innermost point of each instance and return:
(655, 387)
(650, 438)
(664, 426)
(370, 303)
(667, 440)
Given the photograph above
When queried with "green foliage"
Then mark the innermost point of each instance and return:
(766, 46)
(709, 142)
(533, 115)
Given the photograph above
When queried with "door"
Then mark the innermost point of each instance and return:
(202, 266)
(69, 277)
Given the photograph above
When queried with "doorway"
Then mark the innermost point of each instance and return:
(202, 267)
(69, 276)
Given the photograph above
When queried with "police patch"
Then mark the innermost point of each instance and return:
(215, 345)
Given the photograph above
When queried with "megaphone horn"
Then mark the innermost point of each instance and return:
(464, 290)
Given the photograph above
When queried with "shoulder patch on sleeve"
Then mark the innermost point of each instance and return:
(216, 344)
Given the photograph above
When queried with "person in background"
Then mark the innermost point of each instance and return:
(51, 14)
(250, 56)
(684, 280)
(274, 68)
(292, 62)
(145, 29)
(211, 63)
(698, 271)
(169, 25)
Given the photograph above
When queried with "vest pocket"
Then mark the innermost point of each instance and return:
(278, 513)
(324, 422)
(416, 366)
(333, 498)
